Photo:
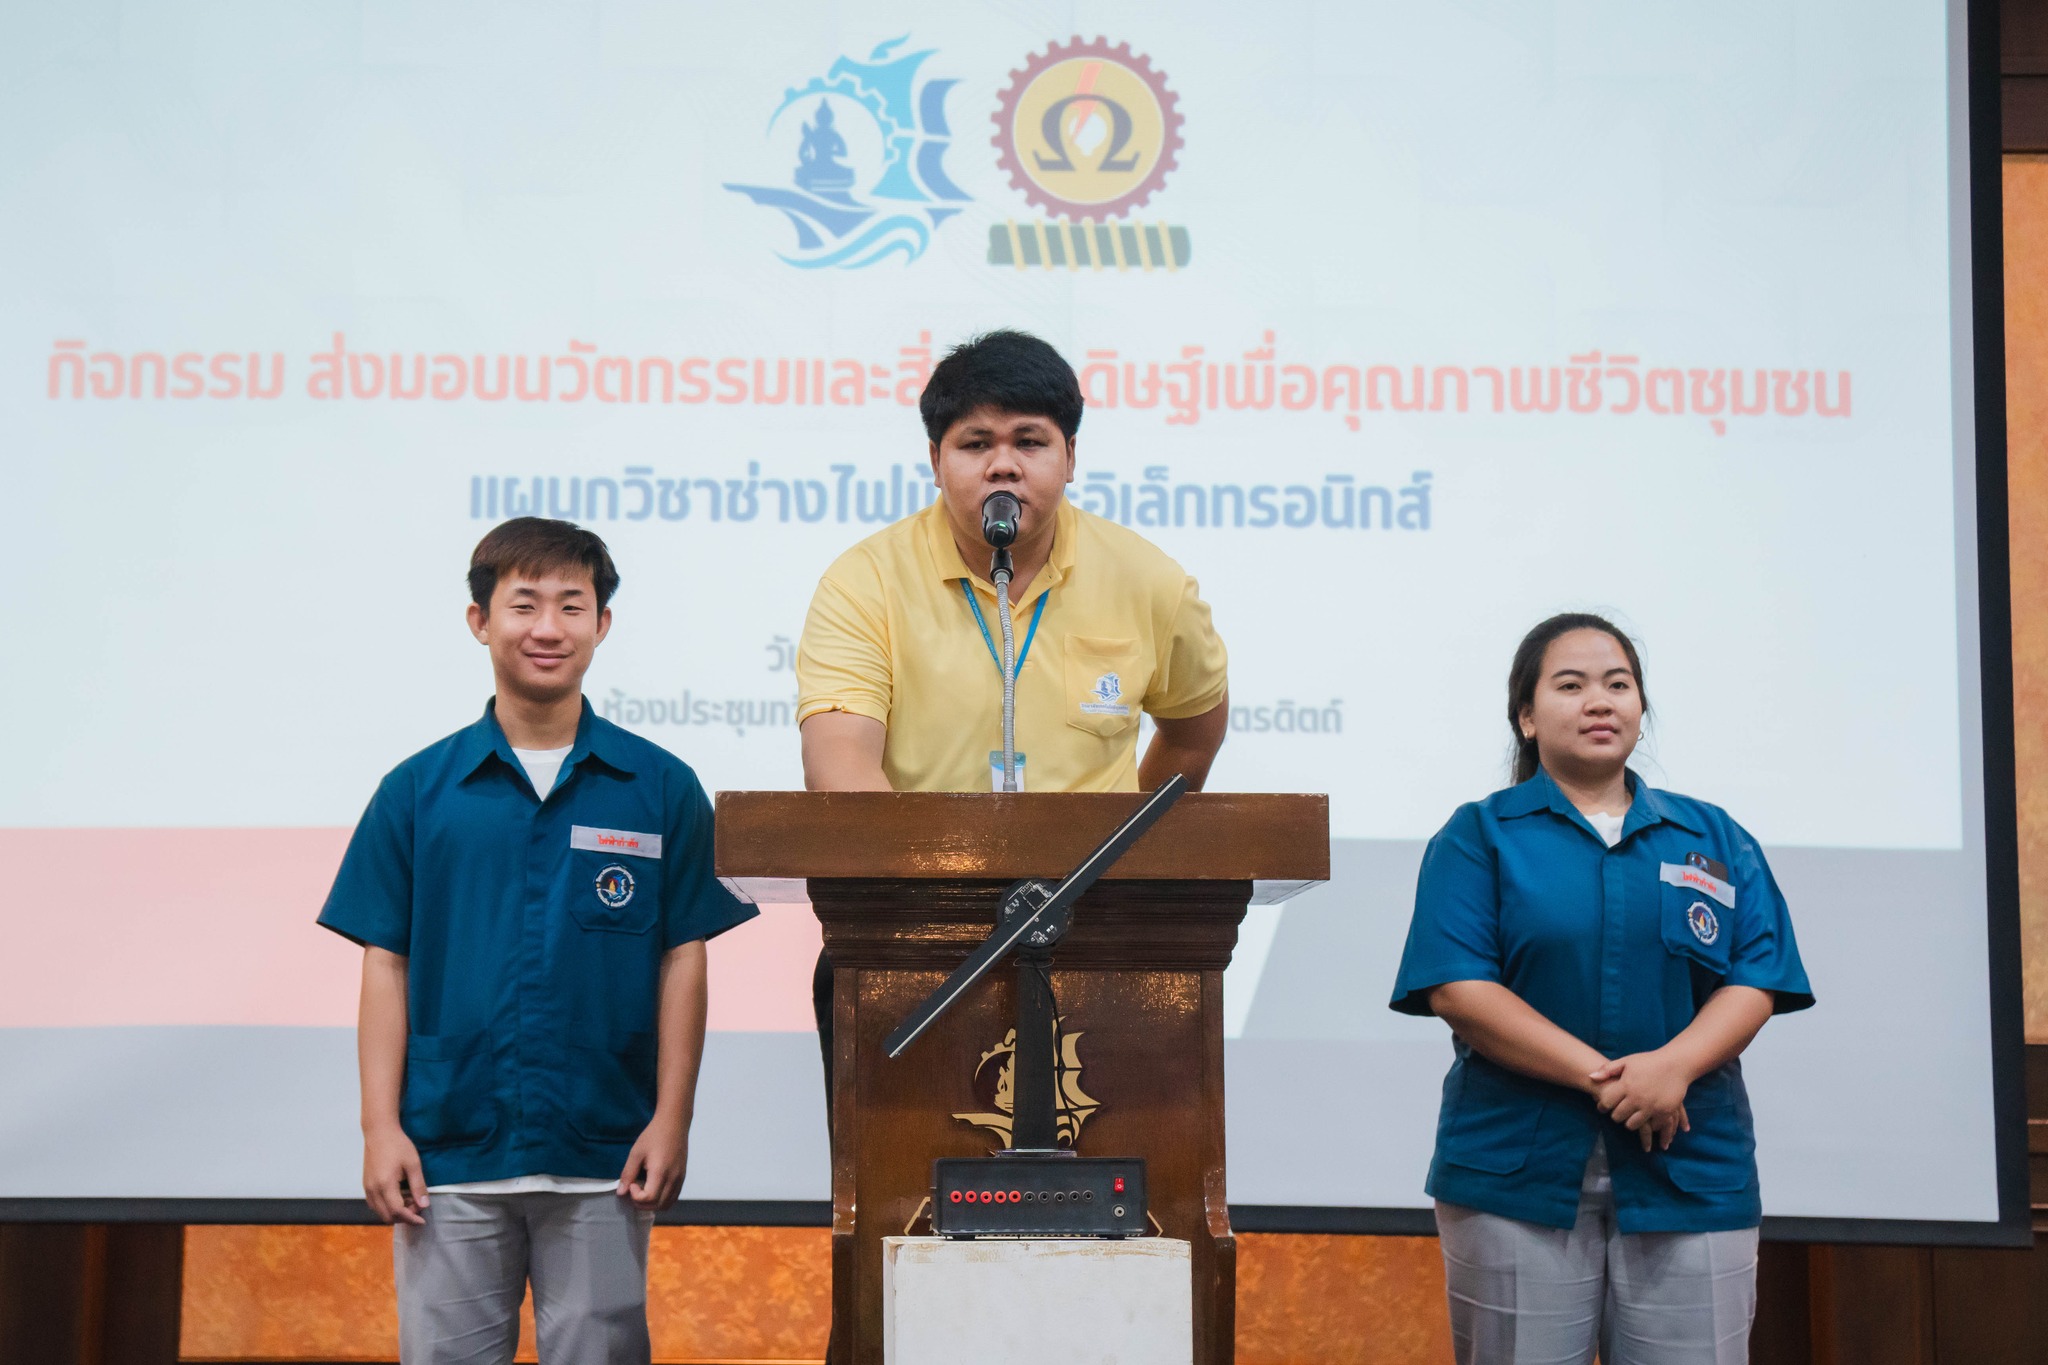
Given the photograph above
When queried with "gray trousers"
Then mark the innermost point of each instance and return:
(1524, 1294)
(462, 1276)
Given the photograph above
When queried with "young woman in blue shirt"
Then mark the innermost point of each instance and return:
(1603, 952)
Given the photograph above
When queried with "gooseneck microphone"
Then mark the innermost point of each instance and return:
(1000, 511)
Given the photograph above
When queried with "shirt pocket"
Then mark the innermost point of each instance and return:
(1694, 925)
(1103, 686)
(1490, 1124)
(611, 1086)
(1718, 1154)
(450, 1093)
(614, 893)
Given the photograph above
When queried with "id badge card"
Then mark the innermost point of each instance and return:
(995, 769)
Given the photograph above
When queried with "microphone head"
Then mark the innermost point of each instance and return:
(999, 513)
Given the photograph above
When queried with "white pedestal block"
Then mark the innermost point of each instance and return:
(1001, 1302)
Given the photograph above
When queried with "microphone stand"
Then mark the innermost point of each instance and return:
(1031, 918)
(999, 572)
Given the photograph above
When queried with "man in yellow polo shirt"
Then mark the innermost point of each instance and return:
(899, 674)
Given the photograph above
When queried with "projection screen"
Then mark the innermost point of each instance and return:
(1400, 327)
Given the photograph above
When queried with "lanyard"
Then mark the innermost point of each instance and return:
(990, 640)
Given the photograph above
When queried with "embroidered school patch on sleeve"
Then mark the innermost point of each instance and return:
(615, 841)
(614, 885)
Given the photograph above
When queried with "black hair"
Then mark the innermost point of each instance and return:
(1007, 370)
(534, 546)
(1527, 670)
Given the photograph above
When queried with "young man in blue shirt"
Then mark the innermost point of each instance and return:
(532, 895)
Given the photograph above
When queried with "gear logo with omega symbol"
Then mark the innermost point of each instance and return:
(1088, 132)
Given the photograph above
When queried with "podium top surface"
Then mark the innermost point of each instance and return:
(1207, 836)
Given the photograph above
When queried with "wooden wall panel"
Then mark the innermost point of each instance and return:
(288, 1293)
(1874, 1305)
(280, 1293)
(44, 1315)
(89, 1294)
(1984, 1305)
(1782, 1332)
(2026, 388)
(733, 1293)
(1321, 1300)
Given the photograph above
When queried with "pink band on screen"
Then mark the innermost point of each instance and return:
(107, 927)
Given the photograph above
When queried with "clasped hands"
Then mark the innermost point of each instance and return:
(1644, 1092)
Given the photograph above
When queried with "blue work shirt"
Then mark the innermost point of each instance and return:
(534, 932)
(1620, 947)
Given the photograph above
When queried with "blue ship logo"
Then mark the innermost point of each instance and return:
(1705, 926)
(863, 122)
(614, 886)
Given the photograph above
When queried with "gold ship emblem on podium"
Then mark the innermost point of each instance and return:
(994, 1087)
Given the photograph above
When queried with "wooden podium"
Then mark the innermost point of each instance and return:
(905, 885)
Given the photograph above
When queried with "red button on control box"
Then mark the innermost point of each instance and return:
(1119, 1184)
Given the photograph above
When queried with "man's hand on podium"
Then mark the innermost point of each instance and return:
(392, 1179)
(1187, 746)
(843, 752)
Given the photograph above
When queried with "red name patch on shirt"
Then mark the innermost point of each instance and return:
(615, 841)
(1678, 874)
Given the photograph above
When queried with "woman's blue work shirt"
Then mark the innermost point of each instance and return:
(1620, 947)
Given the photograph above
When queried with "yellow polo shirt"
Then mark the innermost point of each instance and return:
(890, 635)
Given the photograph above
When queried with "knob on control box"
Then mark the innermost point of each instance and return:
(1030, 1196)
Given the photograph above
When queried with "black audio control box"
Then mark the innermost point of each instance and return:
(1032, 1196)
